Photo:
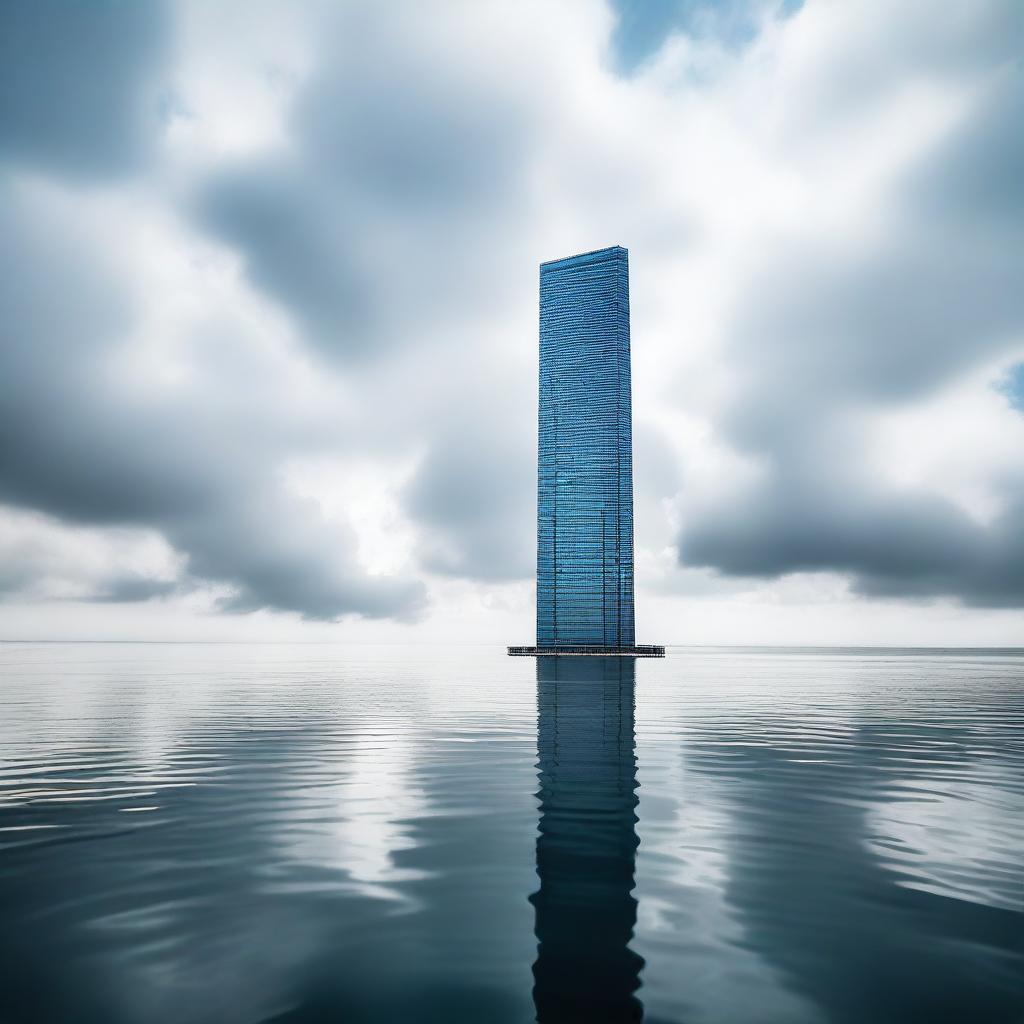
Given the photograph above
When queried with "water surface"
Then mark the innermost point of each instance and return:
(222, 833)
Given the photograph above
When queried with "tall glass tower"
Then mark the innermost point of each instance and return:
(585, 459)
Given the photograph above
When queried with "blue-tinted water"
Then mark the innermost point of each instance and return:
(205, 833)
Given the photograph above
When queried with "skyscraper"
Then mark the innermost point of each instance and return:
(585, 459)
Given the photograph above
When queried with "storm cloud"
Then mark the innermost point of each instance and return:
(81, 84)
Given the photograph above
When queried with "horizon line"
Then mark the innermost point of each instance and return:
(997, 648)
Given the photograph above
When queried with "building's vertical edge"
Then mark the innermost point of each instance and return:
(625, 446)
(545, 491)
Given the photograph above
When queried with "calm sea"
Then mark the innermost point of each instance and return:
(220, 833)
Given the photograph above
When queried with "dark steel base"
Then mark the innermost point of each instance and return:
(586, 650)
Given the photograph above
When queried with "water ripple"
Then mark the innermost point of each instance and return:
(297, 833)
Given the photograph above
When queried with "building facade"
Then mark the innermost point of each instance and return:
(585, 459)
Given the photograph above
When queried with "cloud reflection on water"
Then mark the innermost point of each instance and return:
(339, 833)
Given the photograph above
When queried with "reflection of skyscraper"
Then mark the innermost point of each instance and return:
(586, 850)
(585, 459)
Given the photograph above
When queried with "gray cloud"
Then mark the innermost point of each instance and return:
(78, 443)
(43, 559)
(894, 545)
(301, 247)
(405, 165)
(939, 293)
(972, 182)
(886, 48)
(129, 588)
(475, 493)
(828, 331)
(392, 226)
(80, 83)
(406, 128)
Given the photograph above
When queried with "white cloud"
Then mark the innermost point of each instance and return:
(41, 558)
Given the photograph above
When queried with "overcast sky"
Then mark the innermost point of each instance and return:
(269, 313)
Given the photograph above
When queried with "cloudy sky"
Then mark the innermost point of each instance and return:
(269, 313)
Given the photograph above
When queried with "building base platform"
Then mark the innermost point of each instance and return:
(590, 651)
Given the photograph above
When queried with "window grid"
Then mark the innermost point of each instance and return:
(585, 453)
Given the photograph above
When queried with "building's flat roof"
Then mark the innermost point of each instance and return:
(586, 256)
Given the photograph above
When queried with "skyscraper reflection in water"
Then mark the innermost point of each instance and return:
(586, 850)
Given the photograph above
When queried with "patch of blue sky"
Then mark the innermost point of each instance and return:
(1012, 386)
(644, 25)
